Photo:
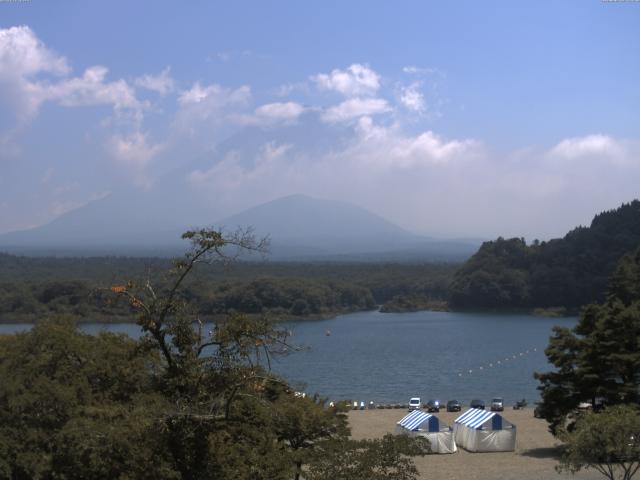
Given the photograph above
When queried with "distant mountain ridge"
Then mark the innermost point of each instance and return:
(300, 227)
(148, 222)
(568, 272)
(321, 218)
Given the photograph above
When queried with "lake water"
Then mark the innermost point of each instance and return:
(387, 357)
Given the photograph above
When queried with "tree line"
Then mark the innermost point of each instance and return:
(32, 288)
(569, 272)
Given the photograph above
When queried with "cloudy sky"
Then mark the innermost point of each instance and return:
(466, 118)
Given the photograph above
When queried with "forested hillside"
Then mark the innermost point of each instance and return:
(569, 272)
(32, 288)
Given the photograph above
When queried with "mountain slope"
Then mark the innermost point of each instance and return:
(323, 225)
(567, 272)
(300, 227)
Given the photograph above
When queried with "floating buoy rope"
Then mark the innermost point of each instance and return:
(496, 363)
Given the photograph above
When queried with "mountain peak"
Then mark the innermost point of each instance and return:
(300, 226)
(301, 216)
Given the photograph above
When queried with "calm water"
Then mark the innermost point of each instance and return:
(391, 357)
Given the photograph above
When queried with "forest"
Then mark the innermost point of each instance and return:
(568, 272)
(33, 287)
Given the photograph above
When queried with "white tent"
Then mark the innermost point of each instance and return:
(481, 431)
(423, 424)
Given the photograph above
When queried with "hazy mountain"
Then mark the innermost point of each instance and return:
(149, 221)
(299, 219)
(125, 218)
(300, 227)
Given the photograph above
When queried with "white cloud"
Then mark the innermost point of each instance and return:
(412, 98)
(229, 172)
(91, 89)
(589, 145)
(411, 69)
(208, 112)
(354, 108)
(213, 95)
(272, 114)
(22, 54)
(356, 80)
(388, 147)
(161, 83)
(31, 74)
(280, 111)
(428, 182)
(419, 179)
(198, 93)
(272, 151)
(430, 147)
(373, 153)
(135, 153)
(22, 57)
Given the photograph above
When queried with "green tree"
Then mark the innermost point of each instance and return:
(570, 272)
(599, 359)
(388, 458)
(186, 401)
(608, 442)
(69, 399)
(302, 422)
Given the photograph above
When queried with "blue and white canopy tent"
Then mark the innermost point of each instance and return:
(419, 423)
(482, 431)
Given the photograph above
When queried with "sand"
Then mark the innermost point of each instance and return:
(534, 458)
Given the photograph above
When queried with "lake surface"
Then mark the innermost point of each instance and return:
(388, 357)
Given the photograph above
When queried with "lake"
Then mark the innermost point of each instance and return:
(389, 357)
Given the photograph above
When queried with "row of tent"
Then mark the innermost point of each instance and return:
(475, 430)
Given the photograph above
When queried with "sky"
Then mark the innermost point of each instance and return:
(451, 119)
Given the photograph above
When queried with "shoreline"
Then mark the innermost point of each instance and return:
(126, 319)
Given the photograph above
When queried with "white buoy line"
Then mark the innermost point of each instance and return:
(497, 363)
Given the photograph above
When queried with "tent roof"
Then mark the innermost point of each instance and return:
(414, 419)
(474, 417)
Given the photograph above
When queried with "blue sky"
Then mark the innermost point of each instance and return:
(449, 118)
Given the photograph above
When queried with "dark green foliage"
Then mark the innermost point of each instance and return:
(568, 272)
(387, 458)
(73, 286)
(180, 403)
(68, 398)
(303, 422)
(279, 296)
(608, 442)
(599, 359)
(413, 303)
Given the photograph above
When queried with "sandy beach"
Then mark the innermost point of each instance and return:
(534, 458)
